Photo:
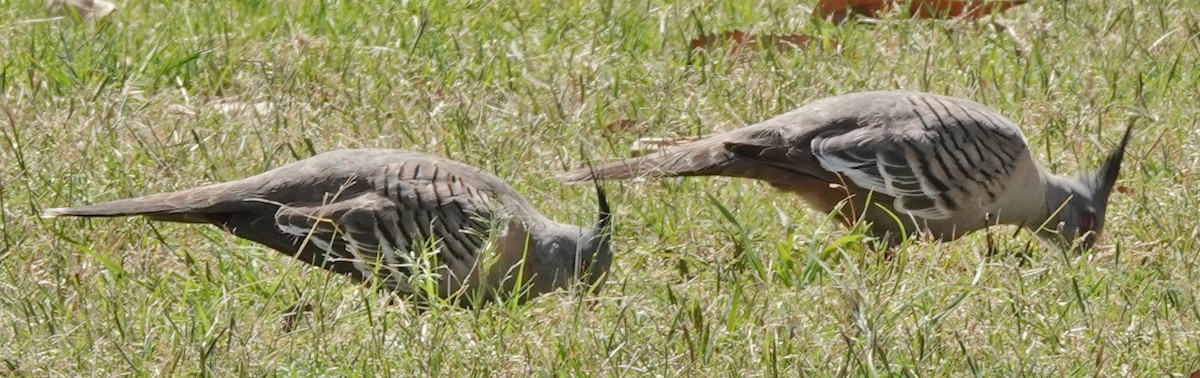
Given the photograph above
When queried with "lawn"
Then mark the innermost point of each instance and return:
(713, 276)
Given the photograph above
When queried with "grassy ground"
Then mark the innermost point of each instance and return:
(148, 102)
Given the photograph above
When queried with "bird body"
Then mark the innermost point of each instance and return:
(908, 162)
(388, 215)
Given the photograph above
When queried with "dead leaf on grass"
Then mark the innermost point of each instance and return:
(736, 40)
(620, 125)
(840, 10)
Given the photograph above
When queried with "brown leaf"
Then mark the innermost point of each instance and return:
(839, 10)
(1127, 190)
(796, 41)
(620, 125)
(1195, 374)
(736, 39)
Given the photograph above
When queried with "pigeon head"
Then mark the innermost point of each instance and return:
(1080, 202)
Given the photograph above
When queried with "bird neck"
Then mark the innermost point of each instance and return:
(552, 248)
(1058, 190)
(558, 245)
(571, 252)
(1023, 203)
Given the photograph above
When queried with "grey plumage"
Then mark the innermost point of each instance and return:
(368, 213)
(942, 165)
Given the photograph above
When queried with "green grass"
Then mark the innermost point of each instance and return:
(713, 276)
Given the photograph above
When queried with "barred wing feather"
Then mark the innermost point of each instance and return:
(934, 155)
(382, 232)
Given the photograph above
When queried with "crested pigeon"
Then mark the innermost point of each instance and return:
(368, 214)
(907, 162)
